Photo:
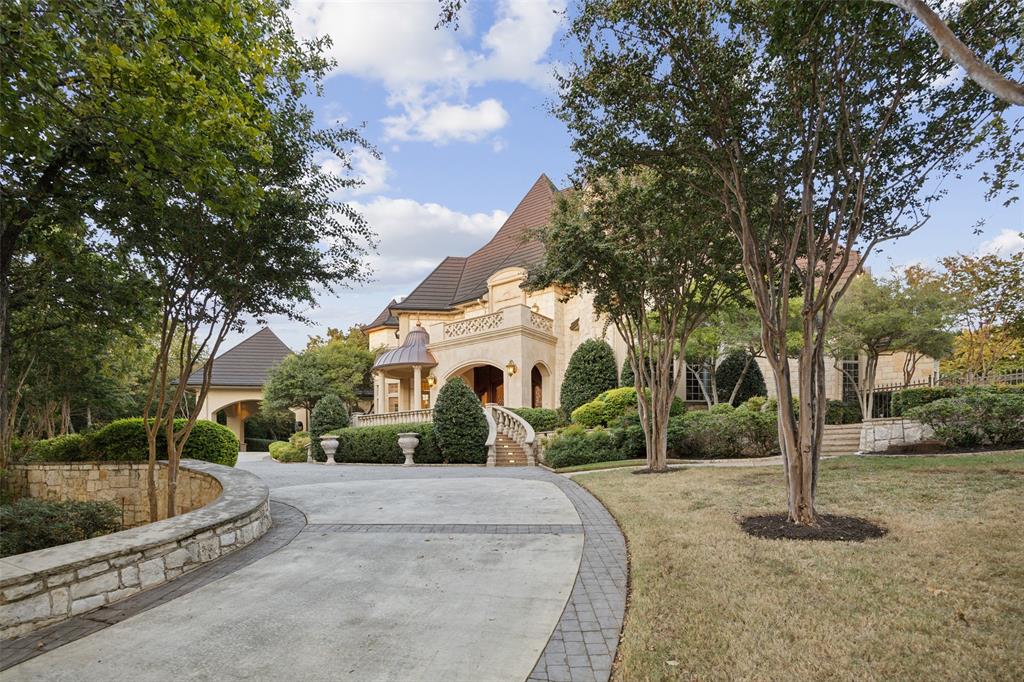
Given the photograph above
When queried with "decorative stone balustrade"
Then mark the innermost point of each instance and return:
(545, 324)
(473, 325)
(512, 317)
(393, 418)
(515, 427)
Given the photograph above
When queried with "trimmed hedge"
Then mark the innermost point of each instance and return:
(460, 426)
(67, 448)
(379, 445)
(591, 372)
(286, 452)
(124, 440)
(909, 398)
(839, 412)
(614, 405)
(540, 418)
(975, 419)
(37, 524)
(723, 432)
(575, 445)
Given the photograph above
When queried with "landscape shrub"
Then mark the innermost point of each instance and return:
(260, 444)
(30, 524)
(67, 448)
(284, 451)
(615, 404)
(909, 398)
(379, 445)
(540, 418)
(575, 445)
(124, 440)
(723, 432)
(329, 414)
(728, 373)
(626, 377)
(460, 426)
(591, 372)
(630, 441)
(839, 412)
(975, 419)
(300, 439)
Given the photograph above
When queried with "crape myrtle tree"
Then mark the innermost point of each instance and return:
(658, 262)
(826, 127)
(731, 333)
(264, 248)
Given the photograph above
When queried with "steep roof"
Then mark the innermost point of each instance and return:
(385, 318)
(248, 363)
(457, 279)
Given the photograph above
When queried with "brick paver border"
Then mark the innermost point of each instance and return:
(287, 523)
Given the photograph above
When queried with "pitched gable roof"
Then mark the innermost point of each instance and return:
(457, 280)
(248, 363)
(385, 319)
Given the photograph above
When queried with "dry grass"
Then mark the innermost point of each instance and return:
(940, 597)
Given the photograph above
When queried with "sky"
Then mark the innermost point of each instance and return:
(460, 119)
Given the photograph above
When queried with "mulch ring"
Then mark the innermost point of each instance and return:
(670, 470)
(830, 527)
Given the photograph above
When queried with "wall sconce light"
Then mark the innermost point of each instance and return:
(535, 308)
(431, 380)
(511, 368)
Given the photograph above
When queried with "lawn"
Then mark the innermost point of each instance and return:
(940, 597)
(615, 464)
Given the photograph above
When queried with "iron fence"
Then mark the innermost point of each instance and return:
(882, 400)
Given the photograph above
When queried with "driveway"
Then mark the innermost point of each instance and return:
(427, 573)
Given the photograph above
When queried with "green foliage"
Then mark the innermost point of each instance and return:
(269, 424)
(300, 439)
(286, 452)
(459, 424)
(37, 524)
(728, 373)
(379, 444)
(69, 448)
(591, 371)
(575, 445)
(842, 413)
(975, 419)
(723, 432)
(909, 398)
(328, 415)
(124, 440)
(626, 377)
(613, 405)
(260, 444)
(630, 441)
(339, 365)
(540, 418)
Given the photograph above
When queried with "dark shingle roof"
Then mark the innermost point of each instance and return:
(248, 363)
(457, 280)
(385, 319)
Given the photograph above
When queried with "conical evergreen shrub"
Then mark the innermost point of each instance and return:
(590, 373)
(460, 426)
(328, 414)
(728, 373)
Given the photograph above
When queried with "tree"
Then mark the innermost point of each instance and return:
(658, 263)
(988, 295)
(349, 363)
(328, 414)
(732, 331)
(459, 424)
(824, 126)
(590, 372)
(299, 381)
(739, 378)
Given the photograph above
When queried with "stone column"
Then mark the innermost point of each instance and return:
(417, 390)
(379, 404)
(404, 395)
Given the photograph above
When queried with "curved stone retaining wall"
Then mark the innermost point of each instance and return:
(43, 587)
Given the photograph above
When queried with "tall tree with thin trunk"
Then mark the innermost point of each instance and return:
(658, 262)
(826, 127)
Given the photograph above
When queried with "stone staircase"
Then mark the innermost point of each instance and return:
(840, 439)
(508, 453)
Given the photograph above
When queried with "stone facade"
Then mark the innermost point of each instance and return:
(123, 483)
(49, 585)
(892, 435)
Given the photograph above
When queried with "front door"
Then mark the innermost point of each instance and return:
(489, 384)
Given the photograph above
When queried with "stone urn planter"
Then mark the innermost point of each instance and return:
(408, 443)
(330, 446)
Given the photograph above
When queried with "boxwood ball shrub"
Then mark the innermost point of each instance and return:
(975, 419)
(379, 444)
(728, 373)
(37, 524)
(329, 414)
(67, 448)
(576, 445)
(540, 418)
(613, 405)
(284, 451)
(459, 424)
(590, 373)
(124, 440)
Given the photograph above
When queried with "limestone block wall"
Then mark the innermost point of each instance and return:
(49, 585)
(884, 435)
(123, 483)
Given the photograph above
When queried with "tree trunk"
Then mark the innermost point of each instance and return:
(172, 468)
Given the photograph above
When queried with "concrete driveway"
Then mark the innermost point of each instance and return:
(423, 574)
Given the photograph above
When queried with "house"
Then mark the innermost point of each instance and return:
(472, 318)
(236, 383)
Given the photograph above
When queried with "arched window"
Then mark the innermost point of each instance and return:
(536, 387)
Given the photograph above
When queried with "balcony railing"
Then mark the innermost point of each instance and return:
(513, 316)
(392, 418)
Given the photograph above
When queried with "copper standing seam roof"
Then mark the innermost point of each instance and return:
(412, 352)
(246, 364)
(459, 279)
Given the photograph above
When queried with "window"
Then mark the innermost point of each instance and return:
(851, 375)
(694, 392)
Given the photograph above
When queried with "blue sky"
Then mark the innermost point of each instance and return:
(460, 118)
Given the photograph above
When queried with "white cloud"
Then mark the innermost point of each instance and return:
(362, 165)
(446, 122)
(428, 71)
(1003, 244)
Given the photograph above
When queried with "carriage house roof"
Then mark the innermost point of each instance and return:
(248, 363)
(460, 279)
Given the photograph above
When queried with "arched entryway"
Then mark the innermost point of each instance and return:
(540, 386)
(487, 382)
